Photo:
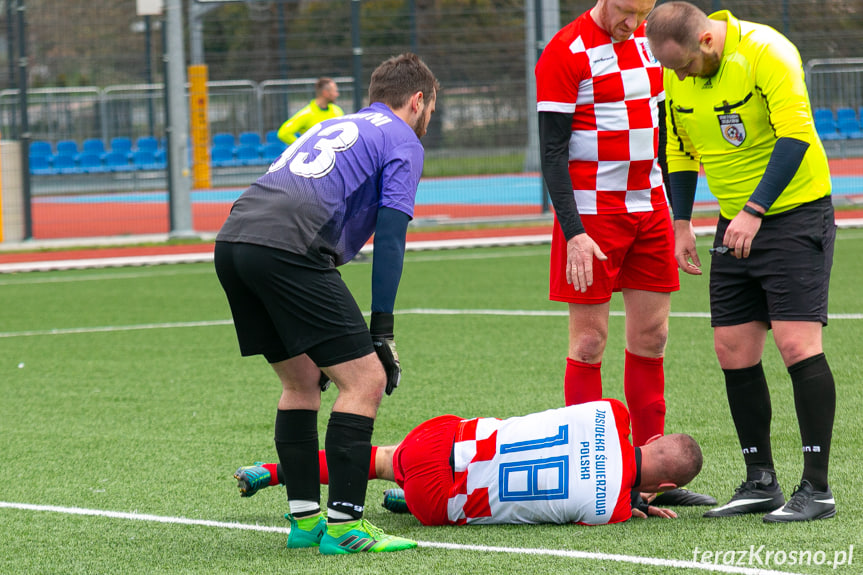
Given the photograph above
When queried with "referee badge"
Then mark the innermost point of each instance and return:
(732, 128)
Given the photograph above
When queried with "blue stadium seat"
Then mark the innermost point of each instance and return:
(118, 161)
(122, 145)
(850, 129)
(41, 148)
(828, 132)
(823, 114)
(271, 151)
(224, 140)
(825, 124)
(250, 139)
(147, 143)
(91, 163)
(222, 157)
(93, 146)
(40, 165)
(845, 114)
(67, 148)
(146, 160)
(272, 137)
(847, 123)
(249, 155)
(65, 164)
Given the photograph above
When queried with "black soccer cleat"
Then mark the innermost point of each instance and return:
(760, 496)
(805, 505)
(682, 497)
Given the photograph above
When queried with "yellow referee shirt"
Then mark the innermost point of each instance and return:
(306, 118)
(729, 123)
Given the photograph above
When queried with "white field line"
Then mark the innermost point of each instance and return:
(61, 264)
(147, 271)
(544, 238)
(414, 311)
(442, 246)
(36, 279)
(113, 328)
(634, 559)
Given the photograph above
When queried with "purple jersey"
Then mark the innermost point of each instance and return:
(321, 197)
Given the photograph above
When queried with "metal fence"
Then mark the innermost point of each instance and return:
(264, 57)
(138, 110)
(835, 83)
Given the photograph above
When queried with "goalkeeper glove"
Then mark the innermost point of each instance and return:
(381, 328)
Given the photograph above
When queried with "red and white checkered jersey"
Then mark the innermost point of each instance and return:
(613, 89)
(573, 464)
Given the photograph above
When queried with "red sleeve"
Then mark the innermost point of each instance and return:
(623, 509)
(559, 71)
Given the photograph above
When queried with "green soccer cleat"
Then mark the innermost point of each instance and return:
(252, 478)
(306, 532)
(394, 501)
(359, 536)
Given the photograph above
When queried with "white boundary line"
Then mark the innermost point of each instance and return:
(414, 311)
(106, 262)
(208, 257)
(113, 328)
(411, 246)
(430, 544)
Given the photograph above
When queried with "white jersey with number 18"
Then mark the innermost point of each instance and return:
(573, 464)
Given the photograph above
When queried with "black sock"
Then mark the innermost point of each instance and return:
(297, 446)
(349, 448)
(815, 402)
(749, 400)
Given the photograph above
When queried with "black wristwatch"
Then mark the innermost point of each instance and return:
(750, 210)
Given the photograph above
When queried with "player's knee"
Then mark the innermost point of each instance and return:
(649, 342)
(796, 351)
(732, 355)
(372, 389)
(588, 347)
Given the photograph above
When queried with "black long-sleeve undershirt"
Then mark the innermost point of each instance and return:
(555, 131)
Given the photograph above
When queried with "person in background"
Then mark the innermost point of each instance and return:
(323, 107)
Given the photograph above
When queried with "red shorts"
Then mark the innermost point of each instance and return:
(422, 469)
(640, 250)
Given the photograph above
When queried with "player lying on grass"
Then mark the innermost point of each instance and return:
(569, 465)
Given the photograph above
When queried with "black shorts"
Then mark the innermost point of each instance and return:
(285, 305)
(787, 274)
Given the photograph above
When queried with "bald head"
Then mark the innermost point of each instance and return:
(680, 22)
(672, 459)
(685, 40)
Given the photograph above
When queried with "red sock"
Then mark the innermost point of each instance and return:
(273, 468)
(373, 470)
(322, 464)
(582, 382)
(325, 471)
(644, 388)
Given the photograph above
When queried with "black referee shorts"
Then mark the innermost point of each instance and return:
(284, 305)
(787, 274)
